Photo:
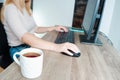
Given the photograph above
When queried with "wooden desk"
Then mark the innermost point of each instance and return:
(95, 63)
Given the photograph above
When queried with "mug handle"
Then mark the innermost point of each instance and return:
(16, 59)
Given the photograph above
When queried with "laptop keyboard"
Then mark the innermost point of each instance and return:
(65, 37)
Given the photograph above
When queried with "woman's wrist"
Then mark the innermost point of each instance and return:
(51, 28)
(56, 47)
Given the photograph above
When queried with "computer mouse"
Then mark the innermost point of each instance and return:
(74, 54)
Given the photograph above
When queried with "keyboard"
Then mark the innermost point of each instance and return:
(65, 37)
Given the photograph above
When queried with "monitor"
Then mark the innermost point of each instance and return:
(1, 1)
(91, 22)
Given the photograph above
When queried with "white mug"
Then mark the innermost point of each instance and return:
(30, 62)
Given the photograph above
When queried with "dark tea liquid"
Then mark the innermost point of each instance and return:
(31, 55)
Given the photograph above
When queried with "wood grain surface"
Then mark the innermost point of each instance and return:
(95, 63)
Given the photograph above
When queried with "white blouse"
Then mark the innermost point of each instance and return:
(16, 24)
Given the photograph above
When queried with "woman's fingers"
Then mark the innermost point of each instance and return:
(69, 48)
(61, 28)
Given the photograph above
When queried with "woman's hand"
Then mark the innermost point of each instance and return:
(48, 29)
(60, 28)
(65, 47)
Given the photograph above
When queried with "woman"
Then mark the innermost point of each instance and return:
(20, 26)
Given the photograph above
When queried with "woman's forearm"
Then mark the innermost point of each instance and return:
(35, 42)
(48, 29)
(44, 29)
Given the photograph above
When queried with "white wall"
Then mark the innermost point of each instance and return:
(107, 16)
(53, 12)
(114, 33)
(110, 24)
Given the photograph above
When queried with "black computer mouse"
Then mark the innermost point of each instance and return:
(74, 54)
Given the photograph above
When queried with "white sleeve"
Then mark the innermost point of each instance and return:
(14, 22)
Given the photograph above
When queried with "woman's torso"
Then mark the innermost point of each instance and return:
(19, 24)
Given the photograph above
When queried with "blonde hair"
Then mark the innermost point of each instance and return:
(20, 4)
